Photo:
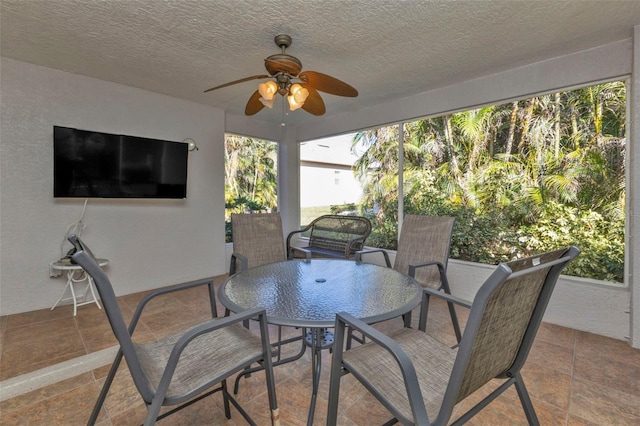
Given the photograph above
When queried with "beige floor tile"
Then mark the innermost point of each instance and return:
(603, 405)
(574, 378)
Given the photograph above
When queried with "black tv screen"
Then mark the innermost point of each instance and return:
(90, 164)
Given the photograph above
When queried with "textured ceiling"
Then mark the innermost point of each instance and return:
(385, 49)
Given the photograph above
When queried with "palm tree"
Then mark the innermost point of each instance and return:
(250, 173)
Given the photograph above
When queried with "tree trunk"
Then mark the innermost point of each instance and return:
(512, 128)
(526, 122)
(558, 107)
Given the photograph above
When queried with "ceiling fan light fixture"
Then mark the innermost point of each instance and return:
(267, 102)
(297, 96)
(268, 90)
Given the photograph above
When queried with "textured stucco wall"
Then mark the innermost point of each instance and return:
(149, 243)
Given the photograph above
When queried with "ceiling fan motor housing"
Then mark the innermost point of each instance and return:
(282, 62)
(284, 82)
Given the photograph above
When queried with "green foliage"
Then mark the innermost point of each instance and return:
(600, 239)
(384, 232)
(250, 177)
(240, 205)
(520, 178)
(250, 174)
(343, 208)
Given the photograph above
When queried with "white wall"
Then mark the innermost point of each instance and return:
(325, 186)
(149, 243)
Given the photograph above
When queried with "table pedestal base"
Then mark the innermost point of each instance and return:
(325, 338)
(317, 339)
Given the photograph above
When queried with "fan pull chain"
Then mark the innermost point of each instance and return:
(283, 111)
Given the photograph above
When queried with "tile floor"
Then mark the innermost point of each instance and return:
(573, 377)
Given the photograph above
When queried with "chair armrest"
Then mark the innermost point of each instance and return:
(412, 385)
(444, 282)
(244, 263)
(424, 306)
(354, 243)
(171, 289)
(299, 231)
(412, 268)
(208, 327)
(216, 324)
(447, 297)
(384, 253)
(291, 250)
(422, 265)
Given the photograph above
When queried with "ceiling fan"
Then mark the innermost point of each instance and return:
(285, 78)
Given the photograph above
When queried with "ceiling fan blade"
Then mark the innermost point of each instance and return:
(326, 83)
(314, 103)
(242, 80)
(254, 105)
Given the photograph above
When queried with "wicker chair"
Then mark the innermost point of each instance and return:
(257, 240)
(338, 236)
(420, 380)
(185, 367)
(423, 253)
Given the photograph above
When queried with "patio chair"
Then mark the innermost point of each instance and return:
(423, 253)
(420, 380)
(185, 367)
(257, 240)
(330, 235)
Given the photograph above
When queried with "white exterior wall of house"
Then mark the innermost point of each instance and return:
(326, 176)
(151, 243)
(323, 185)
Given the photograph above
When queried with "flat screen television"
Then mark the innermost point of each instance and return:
(89, 164)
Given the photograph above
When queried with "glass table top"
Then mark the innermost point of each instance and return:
(309, 294)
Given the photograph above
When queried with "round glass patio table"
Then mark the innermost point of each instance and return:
(308, 294)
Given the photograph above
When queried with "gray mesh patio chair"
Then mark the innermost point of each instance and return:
(185, 367)
(423, 253)
(420, 380)
(257, 240)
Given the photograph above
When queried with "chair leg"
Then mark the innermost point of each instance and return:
(529, 411)
(267, 363)
(454, 321)
(349, 338)
(485, 401)
(153, 410)
(105, 389)
(335, 373)
(271, 391)
(452, 309)
(225, 399)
